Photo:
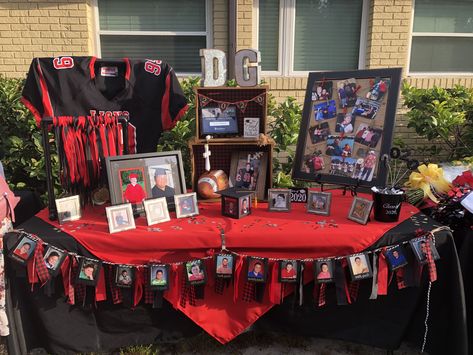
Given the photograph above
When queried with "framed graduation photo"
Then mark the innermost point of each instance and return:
(324, 270)
(23, 249)
(420, 248)
(396, 258)
(343, 112)
(124, 276)
(360, 267)
(224, 264)
(289, 271)
(53, 259)
(89, 270)
(195, 272)
(159, 277)
(257, 269)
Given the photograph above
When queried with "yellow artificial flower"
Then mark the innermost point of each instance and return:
(429, 177)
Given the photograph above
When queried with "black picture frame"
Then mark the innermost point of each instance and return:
(17, 254)
(385, 118)
(393, 261)
(356, 276)
(143, 165)
(153, 269)
(51, 252)
(318, 270)
(251, 261)
(86, 263)
(231, 261)
(188, 271)
(417, 249)
(296, 266)
(120, 282)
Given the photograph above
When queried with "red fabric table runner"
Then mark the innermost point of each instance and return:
(294, 235)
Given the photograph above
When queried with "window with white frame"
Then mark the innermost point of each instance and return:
(297, 36)
(442, 37)
(171, 30)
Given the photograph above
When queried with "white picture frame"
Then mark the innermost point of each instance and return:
(120, 218)
(183, 209)
(156, 210)
(68, 209)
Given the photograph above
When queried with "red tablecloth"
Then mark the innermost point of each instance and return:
(294, 235)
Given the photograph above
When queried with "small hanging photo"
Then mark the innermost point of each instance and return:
(324, 270)
(257, 269)
(159, 277)
(156, 210)
(53, 259)
(124, 276)
(120, 218)
(279, 200)
(186, 205)
(23, 249)
(359, 266)
(319, 203)
(68, 209)
(195, 272)
(360, 210)
(419, 246)
(89, 270)
(289, 271)
(395, 257)
(224, 264)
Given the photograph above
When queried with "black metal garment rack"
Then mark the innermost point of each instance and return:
(46, 124)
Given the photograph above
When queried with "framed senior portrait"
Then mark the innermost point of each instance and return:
(186, 205)
(289, 271)
(195, 272)
(224, 264)
(248, 171)
(156, 210)
(23, 249)
(324, 270)
(279, 200)
(319, 202)
(257, 269)
(124, 276)
(360, 210)
(89, 270)
(360, 267)
(159, 277)
(53, 259)
(120, 218)
(68, 209)
(419, 246)
(136, 177)
(343, 112)
(395, 257)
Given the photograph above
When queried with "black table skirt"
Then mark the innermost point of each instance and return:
(50, 323)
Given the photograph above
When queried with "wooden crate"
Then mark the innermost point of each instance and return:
(232, 95)
(221, 157)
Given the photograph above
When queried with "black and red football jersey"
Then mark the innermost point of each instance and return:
(146, 92)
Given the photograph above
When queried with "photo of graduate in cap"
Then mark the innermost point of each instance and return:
(163, 184)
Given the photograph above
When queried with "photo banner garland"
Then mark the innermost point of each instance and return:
(38, 273)
(242, 104)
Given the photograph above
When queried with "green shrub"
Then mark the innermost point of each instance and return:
(444, 116)
(20, 144)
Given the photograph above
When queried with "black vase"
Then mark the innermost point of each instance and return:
(387, 207)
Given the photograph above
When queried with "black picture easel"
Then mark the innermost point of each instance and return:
(45, 125)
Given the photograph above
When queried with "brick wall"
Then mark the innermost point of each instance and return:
(33, 29)
(244, 24)
(220, 24)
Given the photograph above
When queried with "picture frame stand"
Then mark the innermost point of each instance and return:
(46, 123)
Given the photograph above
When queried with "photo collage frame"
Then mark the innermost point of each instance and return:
(347, 126)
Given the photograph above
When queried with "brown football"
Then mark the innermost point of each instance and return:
(210, 182)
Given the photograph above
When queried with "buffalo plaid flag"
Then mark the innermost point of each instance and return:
(114, 290)
(400, 278)
(40, 267)
(187, 291)
(430, 262)
(322, 291)
(219, 285)
(149, 293)
(79, 289)
(249, 291)
(353, 290)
